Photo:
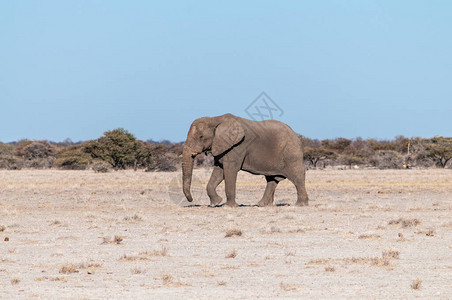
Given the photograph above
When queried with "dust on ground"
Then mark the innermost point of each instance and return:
(365, 234)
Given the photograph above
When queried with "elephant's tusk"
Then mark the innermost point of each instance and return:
(181, 155)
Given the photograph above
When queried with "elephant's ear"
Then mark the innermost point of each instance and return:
(227, 134)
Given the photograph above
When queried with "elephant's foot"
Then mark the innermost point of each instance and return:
(214, 201)
(265, 202)
(301, 203)
(231, 204)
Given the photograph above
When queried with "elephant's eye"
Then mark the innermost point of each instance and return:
(201, 136)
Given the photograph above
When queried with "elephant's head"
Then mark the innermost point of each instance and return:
(218, 135)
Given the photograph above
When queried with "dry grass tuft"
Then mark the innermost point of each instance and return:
(167, 279)
(391, 254)
(383, 261)
(137, 270)
(298, 230)
(289, 287)
(15, 281)
(321, 261)
(430, 232)
(144, 255)
(405, 222)
(93, 265)
(231, 254)
(127, 257)
(62, 279)
(86, 265)
(2, 228)
(68, 269)
(55, 222)
(361, 260)
(416, 284)
(233, 232)
(116, 240)
(135, 218)
(369, 236)
(221, 283)
(330, 269)
(374, 261)
(163, 251)
(272, 230)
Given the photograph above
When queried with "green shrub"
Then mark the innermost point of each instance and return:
(8, 160)
(37, 150)
(37, 154)
(20, 145)
(165, 156)
(439, 149)
(387, 159)
(7, 150)
(167, 162)
(119, 148)
(73, 158)
(351, 160)
(317, 154)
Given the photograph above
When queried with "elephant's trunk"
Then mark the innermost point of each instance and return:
(187, 170)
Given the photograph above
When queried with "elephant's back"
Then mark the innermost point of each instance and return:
(273, 133)
(280, 129)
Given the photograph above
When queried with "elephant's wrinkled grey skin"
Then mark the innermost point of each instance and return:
(269, 148)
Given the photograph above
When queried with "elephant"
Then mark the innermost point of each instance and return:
(270, 148)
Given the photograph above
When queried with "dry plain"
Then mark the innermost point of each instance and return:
(366, 234)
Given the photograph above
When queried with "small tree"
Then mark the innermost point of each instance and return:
(387, 159)
(8, 160)
(6, 150)
(20, 146)
(317, 154)
(36, 154)
(118, 147)
(350, 160)
(340, 144)
(440, 150)
(73, 158)
(38, 149)
(165, 156)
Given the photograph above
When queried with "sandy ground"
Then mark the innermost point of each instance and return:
(366, 234)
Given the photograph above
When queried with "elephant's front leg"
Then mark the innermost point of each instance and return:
(230, 178)
(215, 179)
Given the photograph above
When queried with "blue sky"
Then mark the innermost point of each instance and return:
(74, 69)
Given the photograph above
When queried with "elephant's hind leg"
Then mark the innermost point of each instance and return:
(269, 193)
(298, 179)
(215, 179)
(302, 195)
